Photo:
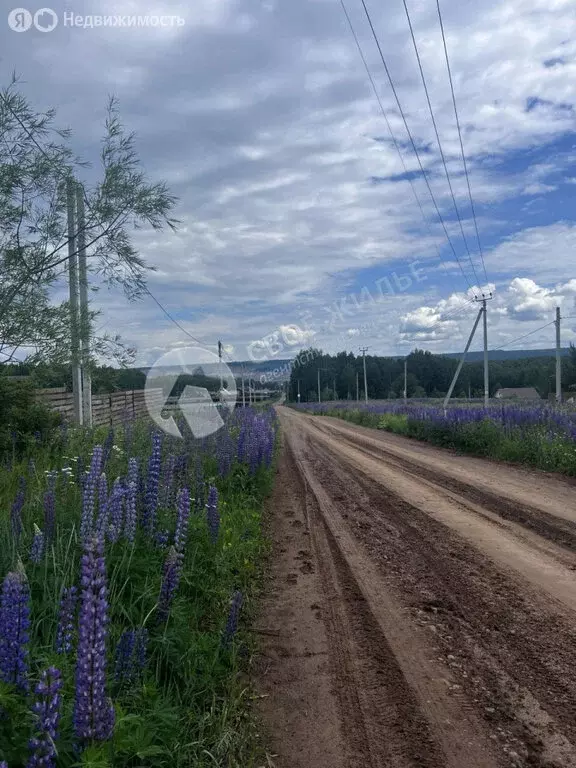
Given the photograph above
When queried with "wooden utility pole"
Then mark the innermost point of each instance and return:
(319, 397)
(357, 387)
(74, 300)
(85, 330)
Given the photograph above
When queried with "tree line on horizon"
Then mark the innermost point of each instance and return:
(429, 375)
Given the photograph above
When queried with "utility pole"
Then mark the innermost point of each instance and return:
(357, 387)
(298, 385)
(334, 388)
(558, 358)
(463, 358)
(486, 377)
(364, 350)
(405, 380)
(319, 398)
(85, 330)
(243, 392)
(74, 301)
(220, 364)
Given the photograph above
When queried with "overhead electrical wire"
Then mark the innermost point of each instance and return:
(442, 156)
(520, 338)
(391, 132)
(472, 207)
(412, 142)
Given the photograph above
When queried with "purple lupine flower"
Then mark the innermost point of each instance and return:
(168, 480)
(116, 510)
(103, 516)
(224, 452)
(17, 505)
(233, 615)
(37, 548)
(47, 711)
(151, 499)
(49, 514)
(107, 448)
(161, 538)
(124, 660)
(14, 626)
(87, 522)
(199, 492)
(182, 520)
(66, 618)
(130, 519)
(140, 648)
(3, 764)
(170, 581)
(93, 712)
(212, 514)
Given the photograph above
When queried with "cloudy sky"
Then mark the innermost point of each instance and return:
(299, 219)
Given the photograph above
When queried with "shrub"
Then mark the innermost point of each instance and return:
(22, 419)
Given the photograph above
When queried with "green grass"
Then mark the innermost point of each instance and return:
(192, 706)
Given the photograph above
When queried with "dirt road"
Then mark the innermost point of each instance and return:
(421, 609)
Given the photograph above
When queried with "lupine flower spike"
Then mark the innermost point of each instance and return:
(66, 617)
(47, 711)
(14, 626)
(93, 712)
(233, 616)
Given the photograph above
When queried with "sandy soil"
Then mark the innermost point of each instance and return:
(421, 609)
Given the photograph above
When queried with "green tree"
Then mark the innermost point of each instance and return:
(35, 162)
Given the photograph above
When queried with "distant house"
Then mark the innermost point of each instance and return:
(517, 393)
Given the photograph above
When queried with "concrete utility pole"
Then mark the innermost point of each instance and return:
(463, 358)
(558, 358)
(298, 385)
(74, 301)
(405, 380)
(486, 376)
(220, 364)
(243, 392)
(85, 330)
(319, 398)
(364, 350)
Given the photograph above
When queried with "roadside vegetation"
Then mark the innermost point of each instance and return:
(538, 435)
(128, 565)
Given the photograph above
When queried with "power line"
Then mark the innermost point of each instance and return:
(423, 78)
(472, 207)
(447, 316)
(412, 142)
(391, 132)
(508, 343)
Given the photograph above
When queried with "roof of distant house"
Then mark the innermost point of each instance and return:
(523, 393)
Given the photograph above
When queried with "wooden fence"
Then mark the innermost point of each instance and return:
(111, 408)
